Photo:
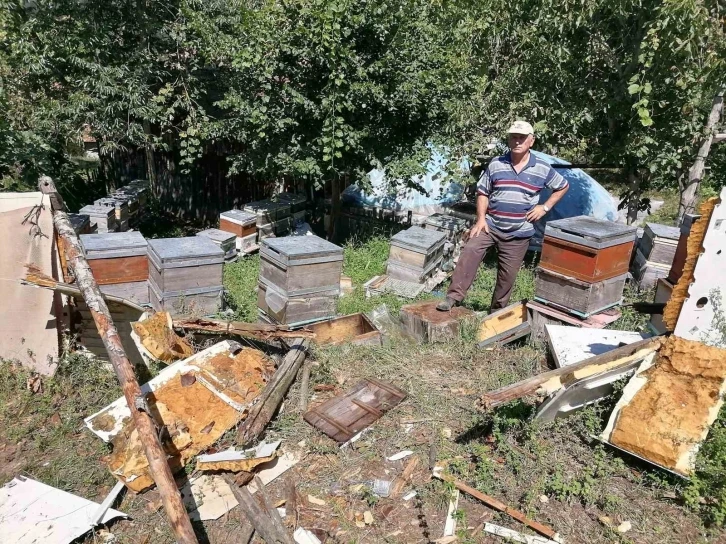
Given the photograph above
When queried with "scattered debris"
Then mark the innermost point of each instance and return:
(570, 345)
(106, 504)
(368, 517)
(400, 455)
(262, 515)
(544, 499)
(355, 329)
(30, 512)
(314, 500)
(624, 527)
(505, 325)
(401, 481)
(236, 461)
(496, 504)
(554, 380)
(379, 285)
(303, 536)
(450, 524)
(342, 417)
(515, 536)
(157, 337)
(410, 495)
(668, 407)
(34, 384)
(262, 331)
(207, 497)
(269, 471)
(228, 378)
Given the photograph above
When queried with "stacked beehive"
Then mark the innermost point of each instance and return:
(584, 264)
(416, 253)
(273, 218)
(120, 208)
(225, 240)
(185, 275)
(299, 279)
(654, 254)
(102, 219)
(243, 225)
(452, 227)
(119, 264)
(297, 205)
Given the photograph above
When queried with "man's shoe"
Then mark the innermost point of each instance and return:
(446, 304)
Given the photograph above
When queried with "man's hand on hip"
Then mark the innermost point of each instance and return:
(477, 228)
(536, 213)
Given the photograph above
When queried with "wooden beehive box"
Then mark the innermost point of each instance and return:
(586, 248)
(268, 211)
(348, 329)
(581, 298)
(102, 218)
(128, 195)
(81, 223)
(296, 201)
(505, 325)
(195, 302)
(141, 188)
(120, 207)
(452, 227)
(225, 240)
(116, 257)
(297, 265)
(659, 243)
(295, 310)
(417, 247)
(238, 222)
(183, 265)
(663, 291)
(679, 259)
(645, 272)
(427, 324)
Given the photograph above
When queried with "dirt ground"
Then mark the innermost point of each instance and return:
(554, 473)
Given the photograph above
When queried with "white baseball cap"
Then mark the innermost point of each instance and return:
(520, 127)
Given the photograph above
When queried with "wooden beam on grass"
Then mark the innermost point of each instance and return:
(560, 376)
(260, 331)
(136, 400)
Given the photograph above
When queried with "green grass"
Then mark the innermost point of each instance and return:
(240, 281)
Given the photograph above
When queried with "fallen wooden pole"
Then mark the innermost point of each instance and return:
(256, 330)
(608, 360)
(497, 505)
(145, 425)
(260, 518)
(274, 392)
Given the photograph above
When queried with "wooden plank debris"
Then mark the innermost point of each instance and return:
(342, 417)
(496, 504)
(505, 325)
(236, 461)
(570, 345)
(515, 536)
(261, 331)
(136, 403)
(157, 337)
(555, 379)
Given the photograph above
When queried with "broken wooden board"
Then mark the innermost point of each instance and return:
(570, 345)
(32, 512)
(342, 417)
(197, 400)
(549, 382)
(663, 290)
(355, 329)
(379, 285)
(667, 408)
(505, 325)
(235, 461)
(427, 324)
(157, 338)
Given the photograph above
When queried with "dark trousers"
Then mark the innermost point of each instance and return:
(511, 254)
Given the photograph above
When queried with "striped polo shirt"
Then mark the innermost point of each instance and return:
(512, 195)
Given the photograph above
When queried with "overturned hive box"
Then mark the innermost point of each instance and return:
(581, 298)
(103, 219)
(354, 329)
(587, 249)
(415, 254)
(185, 275)
(119, 263)
(196, 400)
(225, 240)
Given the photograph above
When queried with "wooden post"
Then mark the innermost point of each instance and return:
(145, 425)
(689, 189)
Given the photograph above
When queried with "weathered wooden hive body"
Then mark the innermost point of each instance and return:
(297, 203)
(415, 254)
(243, 225)
(119, 264)
(121, 210)
(452, 227)
(225, 240)
(299, 279)
(185, 275)
(102, 218)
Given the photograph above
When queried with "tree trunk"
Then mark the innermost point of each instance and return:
(150, 161)
(334, 207)
(633, 196)
(689, 187)
(136, 400)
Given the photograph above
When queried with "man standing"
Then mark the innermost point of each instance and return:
(506, 208)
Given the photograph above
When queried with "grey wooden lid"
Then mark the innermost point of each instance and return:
(97, 211)
(663, 231)
(113, 244)
(261, 207)
(590, 232)
(448, 222)
(291, 250)
(180, 250)
(418, 239)
(110, 202)
(219, 236)
(290, 198)
(78, 220)
(239, 217)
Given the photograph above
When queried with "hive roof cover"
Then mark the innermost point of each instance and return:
(418, 238)
(664, 231)
(239, 215)
(589, 227)
(187, 247)
(294, 246)
(112, 240)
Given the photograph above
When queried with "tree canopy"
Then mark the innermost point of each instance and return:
(322, 90)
